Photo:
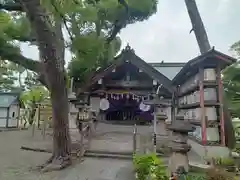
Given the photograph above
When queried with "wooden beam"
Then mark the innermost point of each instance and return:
(201, 92)
(7, 120)
(220, 99)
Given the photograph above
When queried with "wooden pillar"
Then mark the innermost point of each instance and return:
(175, 104)
(201, 93)
(221, 112)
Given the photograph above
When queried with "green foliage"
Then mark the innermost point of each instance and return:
(149, 166)
(89, 25)
(97, 22)
(13, 26)
(231, 82)
(224, 161)
(31, 80)
(7, 77)
(194, 176)
(236, 48)
(30, 99)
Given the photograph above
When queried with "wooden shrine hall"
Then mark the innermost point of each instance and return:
(118, 91)
(192, 90)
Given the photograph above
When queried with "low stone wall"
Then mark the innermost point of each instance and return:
(209, 151)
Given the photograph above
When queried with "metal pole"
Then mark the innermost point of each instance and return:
(135, 138)
(155, 121)
(155, 131)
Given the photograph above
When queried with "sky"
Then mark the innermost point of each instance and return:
(165, 35)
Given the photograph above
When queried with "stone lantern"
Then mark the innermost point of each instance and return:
(178, 145)
(76, 105)
(159, 113)
(158, 103)
(72, 110)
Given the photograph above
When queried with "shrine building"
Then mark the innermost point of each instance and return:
(192, 91)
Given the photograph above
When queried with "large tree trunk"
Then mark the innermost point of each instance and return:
(59, 99)
(61, 137)
(198, 26)
(51, 47)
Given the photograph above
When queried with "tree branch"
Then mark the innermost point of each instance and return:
(14, 6)
(45, 33)
(9, 52)
(63, 19)
(119, 23)
(23, 38)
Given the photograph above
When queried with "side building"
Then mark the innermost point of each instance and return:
(9, 110)
(199, 100)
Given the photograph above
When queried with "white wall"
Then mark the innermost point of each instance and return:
(3, 112)
(95, 103)
(13, 115)
(3, 117)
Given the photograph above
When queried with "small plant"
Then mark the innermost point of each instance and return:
(149, 167)
(224, 161)
(219, 174)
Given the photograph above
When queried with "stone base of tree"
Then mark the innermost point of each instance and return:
(57, 163)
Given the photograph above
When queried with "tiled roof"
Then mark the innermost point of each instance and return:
(7, 99)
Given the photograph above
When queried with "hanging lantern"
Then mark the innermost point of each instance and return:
(100, 81)
(133, 97)
(143, 107)
(154, 82)
(104, 104)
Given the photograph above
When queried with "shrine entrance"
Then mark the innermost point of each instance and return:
(127, 113)
(127, 110)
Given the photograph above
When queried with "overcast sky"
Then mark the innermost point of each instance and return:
(165, 36)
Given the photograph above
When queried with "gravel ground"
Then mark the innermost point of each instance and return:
(16, 163)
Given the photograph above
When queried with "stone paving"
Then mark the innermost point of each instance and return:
(15, 163)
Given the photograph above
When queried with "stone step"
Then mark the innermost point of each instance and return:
(199, 166)
(116, 152)
(105, 155)
(114, 155)
(109, 152)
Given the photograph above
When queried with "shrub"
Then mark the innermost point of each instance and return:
(219, 174)
(224, 161)
(149, 166)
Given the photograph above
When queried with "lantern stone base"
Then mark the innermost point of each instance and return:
(177, 160)
(162, 128)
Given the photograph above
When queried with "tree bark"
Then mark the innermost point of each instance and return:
(51, 46)
(198, 26)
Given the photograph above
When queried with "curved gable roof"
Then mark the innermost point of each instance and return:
(225, 59)
(129, 54)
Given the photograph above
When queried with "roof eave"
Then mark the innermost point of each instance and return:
(211, 53)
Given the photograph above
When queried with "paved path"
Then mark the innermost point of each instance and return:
(99, 169)
(15, 163)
